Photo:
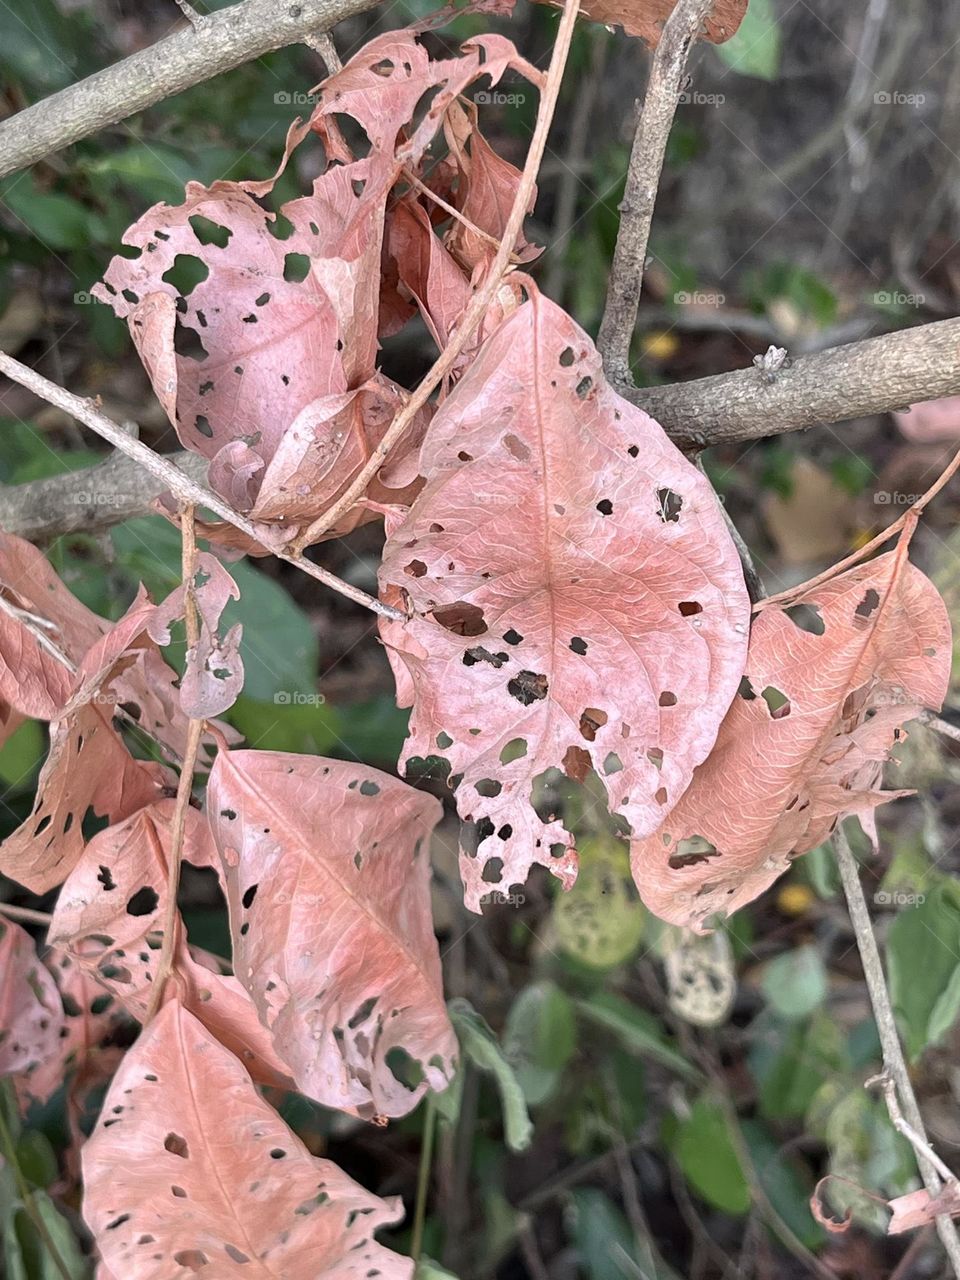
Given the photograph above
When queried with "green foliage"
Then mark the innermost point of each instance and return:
(795, 983)
(636, 1030)
(705, 1151)
(599, 922)
(480, 1046)
(539, 1039)
(754, 50)
(923, 960)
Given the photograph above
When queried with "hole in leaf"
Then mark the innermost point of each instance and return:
(867, 605)
(691, 850)
(667, 699)
(689, 607)
(515, 749)
(143, 903)
(296, 268)
(778, 704)
(186, 273)
(462, 618)
(528, 687)
(176, 1145)
(807, 617)
(591, 720)
(605, 507)
(578, 645)
(669, 506)
(208, 232)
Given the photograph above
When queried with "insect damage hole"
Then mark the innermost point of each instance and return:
(528, 687)
(462, 618)
(778, 704)
(591, 720)
(807, 617)
(867, 605)
(669, 506)
(690, 851)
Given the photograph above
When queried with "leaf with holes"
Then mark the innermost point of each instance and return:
(829, 681)
(31, 1016)
(328, 880)
(109, 917)
(577, 601)
(189, 1169)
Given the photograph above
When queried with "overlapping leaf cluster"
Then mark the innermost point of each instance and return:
(572, 604)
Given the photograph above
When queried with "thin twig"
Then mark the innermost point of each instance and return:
(182, 486)
(195, 728)
(643, 178)
(423, 1177)
(939, 725)
(323, 44)
(223, 40)
(919, 1143)
(26, 914)
(893, 1059)
(481, 300)
(909, 518)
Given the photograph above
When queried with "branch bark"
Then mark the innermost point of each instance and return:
(222, 41)
(643, 179)
(852, 381)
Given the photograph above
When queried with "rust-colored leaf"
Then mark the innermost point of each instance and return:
(645, 18)
(829, 681)
(572, 585)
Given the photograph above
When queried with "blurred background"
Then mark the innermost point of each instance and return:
(636, 1103)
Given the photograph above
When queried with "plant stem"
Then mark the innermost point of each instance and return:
(893, 1059)
(423, 1177)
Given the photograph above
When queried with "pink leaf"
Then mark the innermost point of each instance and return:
(189, 1169)
(31, 1015)
(328, 875)
(931, 421)
(829, 681)
(577, 600)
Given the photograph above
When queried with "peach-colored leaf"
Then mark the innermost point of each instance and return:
(109, 917)
(31, 1015)
(576, 598)
(328, 875)
(931, 421)
(829, 681)
(918, 1208)
(190, 1170)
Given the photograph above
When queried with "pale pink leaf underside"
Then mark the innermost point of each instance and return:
(577, 599)
(31, 1015)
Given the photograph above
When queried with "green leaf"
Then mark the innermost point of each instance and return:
(21, 756)
(637, 1030)
(795, 983)
(600, 921)
(606, 1245)
(786, 1181)
(427, 1269)
(922, 949)
(754, 49)
(57, 221)
(26, 1254)
(539, 1038)
(790, 1062)
(705, 1152)
(480, 1045)
(944, 1012)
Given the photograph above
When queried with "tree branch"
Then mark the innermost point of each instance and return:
(893, 1059)
(222, 41)
(643, 178)
(852, 381)
(179, 483)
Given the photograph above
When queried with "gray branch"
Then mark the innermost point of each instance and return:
(853, 381)
(873, 376)
(222, 41)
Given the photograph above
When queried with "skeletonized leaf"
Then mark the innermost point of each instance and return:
(31, 1015)
(189, 1169)
(576, 599)
(829, 681)
(327, 876)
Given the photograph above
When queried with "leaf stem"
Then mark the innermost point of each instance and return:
(423, 1177)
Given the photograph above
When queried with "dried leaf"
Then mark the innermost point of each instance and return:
(931, 421)
(645, 18)
(109, 918)
(829, 681)
(328, 883)
(31, 1015)
(190, 1169)
(918, 1208)
(576, 599)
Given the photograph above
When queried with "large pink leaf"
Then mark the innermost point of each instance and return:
(829, 681)
(576, 599)
(327, 875)
(31, 1015)
(189, 1170)
(109, 917)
